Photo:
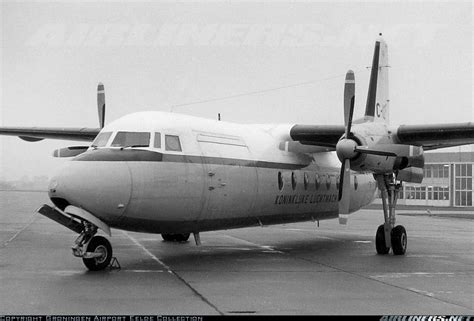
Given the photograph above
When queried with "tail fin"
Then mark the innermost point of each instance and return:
(377, 108)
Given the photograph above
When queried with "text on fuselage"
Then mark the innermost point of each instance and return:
(305, 199)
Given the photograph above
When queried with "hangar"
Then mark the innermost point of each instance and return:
(448, 181)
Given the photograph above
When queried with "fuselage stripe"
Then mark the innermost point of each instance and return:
(131, 155)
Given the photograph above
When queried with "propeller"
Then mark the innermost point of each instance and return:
(346, 148)
(101, 104)
(73, 151)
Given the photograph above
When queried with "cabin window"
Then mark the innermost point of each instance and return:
(305, 181)
(293, 180)
(280, 181)
(356, 184)
(131, 139)
(317, 182)
(338, 179)
(101, 139)
(172, 143)
(328, 182)
(157, 143)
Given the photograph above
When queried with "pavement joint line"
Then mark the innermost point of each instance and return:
(263, 247)
(391, 285)
(169, 270)
(362, 276)
(19, 232)
(418, 292)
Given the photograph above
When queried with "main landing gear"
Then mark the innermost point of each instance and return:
(388, 234)
(179, 238)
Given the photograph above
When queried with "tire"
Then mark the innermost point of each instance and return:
(99, 244)
(380, 241)
(168, 237)
(175, 237)
(399, 240)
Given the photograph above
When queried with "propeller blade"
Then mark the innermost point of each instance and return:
(367, 150)
(341, 179)
(349, 97)
(344, 191)
(351, 113)
(101, 104)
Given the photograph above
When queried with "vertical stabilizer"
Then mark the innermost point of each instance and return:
(377, 108)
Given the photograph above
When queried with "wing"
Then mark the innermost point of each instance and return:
(428, 136)
(436, 136)
(33, 134)
(319, 135)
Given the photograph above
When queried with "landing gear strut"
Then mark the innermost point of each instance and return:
(95, 251)
(98, 253)
(388, 235)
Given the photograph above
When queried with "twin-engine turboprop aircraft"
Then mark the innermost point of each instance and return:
(174, 174)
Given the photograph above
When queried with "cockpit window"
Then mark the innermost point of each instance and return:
(102, 139)
(172, 143)
(157, 140)
(131, 139)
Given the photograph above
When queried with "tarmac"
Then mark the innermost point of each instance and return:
(283, 269)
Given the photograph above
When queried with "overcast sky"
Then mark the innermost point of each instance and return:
(152, 56)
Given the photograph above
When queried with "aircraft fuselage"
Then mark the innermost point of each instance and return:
(199, 174)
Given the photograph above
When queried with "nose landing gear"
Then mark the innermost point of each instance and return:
(98, 253)
(388, 235)
(95, 251)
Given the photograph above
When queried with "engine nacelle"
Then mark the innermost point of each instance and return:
(374, 163)
(407, 156)
(411, 175)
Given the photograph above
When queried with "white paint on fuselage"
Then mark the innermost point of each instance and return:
(226, 176)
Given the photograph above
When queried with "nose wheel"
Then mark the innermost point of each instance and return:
(98, 254)
(95, 250)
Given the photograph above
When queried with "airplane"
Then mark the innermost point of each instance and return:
(176, 175)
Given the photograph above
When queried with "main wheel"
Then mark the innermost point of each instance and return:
(175, 237)
(168, 237)
(380, 241)
(399, 240)
(99, 245)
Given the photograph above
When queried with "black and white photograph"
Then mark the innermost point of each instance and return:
(236, 158)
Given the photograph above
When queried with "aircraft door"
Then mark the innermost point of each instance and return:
(231, 180)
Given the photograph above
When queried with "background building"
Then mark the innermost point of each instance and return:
(448, 181)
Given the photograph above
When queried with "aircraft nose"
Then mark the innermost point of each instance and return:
(102, 188)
